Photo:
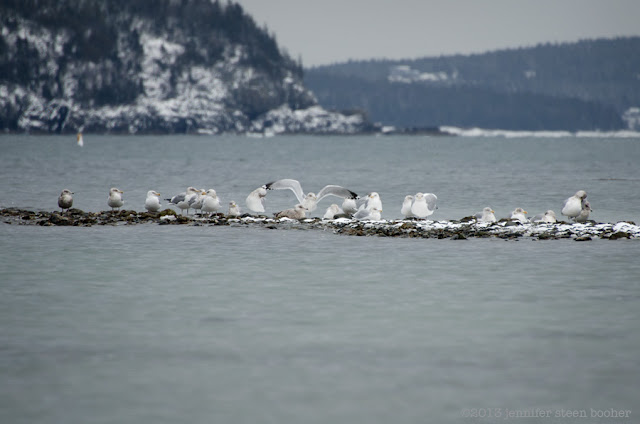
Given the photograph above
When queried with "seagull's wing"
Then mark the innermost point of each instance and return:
(177, 198)
(431, 201)
(336, 190)
(287, 184)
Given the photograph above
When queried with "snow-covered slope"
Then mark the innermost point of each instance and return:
(139, 66)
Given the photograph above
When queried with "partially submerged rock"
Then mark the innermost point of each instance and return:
(454, 230)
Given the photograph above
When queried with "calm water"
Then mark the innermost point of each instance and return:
(167, 324)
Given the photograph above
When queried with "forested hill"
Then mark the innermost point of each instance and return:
(587, 85)
(149, 66)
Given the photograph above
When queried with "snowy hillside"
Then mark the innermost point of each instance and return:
(139, 66)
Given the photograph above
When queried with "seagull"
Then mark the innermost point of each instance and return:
(424, 204)
(373, 214)
(584, 213)
(406, 207)
(518, 214)
(310, 200)
(487, 215)
(549, 217)
(349, 206)
(234, 209)
(371, 201)
(115, 198)
(185, 199)
(255, 199)
(211, 202)
(298, 212)
(573, 205)
(65, 200)
(152, 202)
(332, 211)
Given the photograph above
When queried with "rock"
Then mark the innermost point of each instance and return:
(583, 238)
(619, 235)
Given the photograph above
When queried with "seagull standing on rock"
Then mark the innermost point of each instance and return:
(573, 205)
(65, 200)
(406, 207)
(234, 209)
(255, 199)
(424, 205)
(115, 198)
(211, 202)
(152, 202)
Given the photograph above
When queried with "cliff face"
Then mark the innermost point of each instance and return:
(150, 66)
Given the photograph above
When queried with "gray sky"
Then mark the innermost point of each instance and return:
(327, 31)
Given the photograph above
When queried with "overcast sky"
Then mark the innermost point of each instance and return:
(328, 31)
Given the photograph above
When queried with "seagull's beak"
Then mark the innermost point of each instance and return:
(121, 191)
(492, 211)
(524, 212)
(158, 194)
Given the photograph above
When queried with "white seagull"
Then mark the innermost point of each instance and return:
(518, 214)
(573, 205)
(373, 214)
(332, 211)
(234, 209)
(115, 198)
(211, 202)
(487, 215)
(424, 204)
(255, 199)
(152, 202)
(184, 200)
(549, 217)
(310, 200)
(406, 207)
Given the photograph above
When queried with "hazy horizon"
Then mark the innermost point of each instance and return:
(337, 31)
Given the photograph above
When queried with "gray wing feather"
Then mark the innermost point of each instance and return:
(287, 184)
(431, 201)
(336, 190)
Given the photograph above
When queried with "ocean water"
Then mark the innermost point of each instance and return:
(200, 324)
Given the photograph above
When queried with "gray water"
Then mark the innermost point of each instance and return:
(166, 324)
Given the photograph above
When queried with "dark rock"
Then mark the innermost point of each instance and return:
(619, 235)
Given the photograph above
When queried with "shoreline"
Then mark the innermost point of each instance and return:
(453, 230)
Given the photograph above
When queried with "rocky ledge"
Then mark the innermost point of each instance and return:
(455, 230)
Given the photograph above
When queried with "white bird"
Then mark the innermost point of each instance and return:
(349, 206)
(65, 200)
(424, 204)
(211, 202)
(584, 213)
(518, 214)
(371, 201)
(549, 217)
(255, 199)
(573, 205)
(152, 202)
(332, 211)
(196, 205)
(115, 198)
(364, 214)
(406, 207)
(234, 209)
(297, 212)
(310, 200)
(487, 215)
(184, 200)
